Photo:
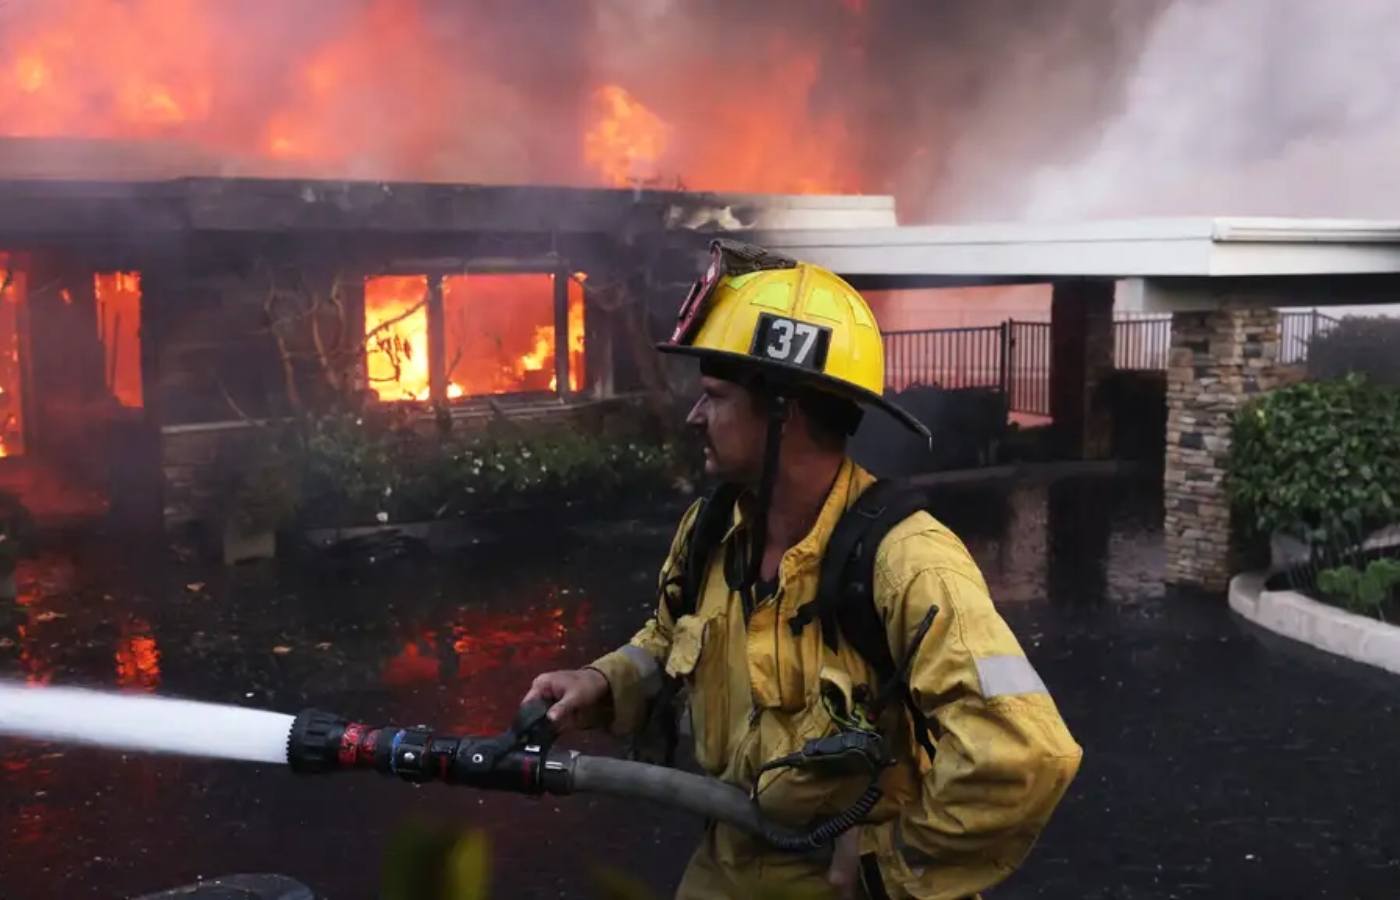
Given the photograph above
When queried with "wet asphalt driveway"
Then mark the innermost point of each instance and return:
(1219, 762)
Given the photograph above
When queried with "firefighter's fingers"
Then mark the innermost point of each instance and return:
(844, 873)
(572, 695)
(548, 686)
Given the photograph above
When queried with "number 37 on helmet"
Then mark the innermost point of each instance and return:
(798, 323)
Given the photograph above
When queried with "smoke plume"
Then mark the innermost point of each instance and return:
(1245, 107)
(964, 109)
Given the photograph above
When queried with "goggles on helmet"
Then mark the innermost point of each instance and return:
(727, 258)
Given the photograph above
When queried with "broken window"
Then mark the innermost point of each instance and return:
(119, 329)
(396, 336)
(497, 334)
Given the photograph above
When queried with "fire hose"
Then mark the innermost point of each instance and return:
(523, 760)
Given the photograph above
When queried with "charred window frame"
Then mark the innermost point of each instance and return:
(566, 380)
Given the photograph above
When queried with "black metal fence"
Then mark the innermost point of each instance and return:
(1296, 331)
(1142, 343)
(1028, 372)
(1014, 356)
(944, 357)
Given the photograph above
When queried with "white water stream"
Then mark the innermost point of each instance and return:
(144, 723)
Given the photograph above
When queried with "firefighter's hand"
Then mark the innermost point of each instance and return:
(844, 872)
(578, 698)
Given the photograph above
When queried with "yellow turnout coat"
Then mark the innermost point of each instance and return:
(946, 827)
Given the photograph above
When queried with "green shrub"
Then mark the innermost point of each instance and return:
(1320, 460)
(1366, 590)
(256, 482)
(354, 467)
(265, 498)
(359, 471)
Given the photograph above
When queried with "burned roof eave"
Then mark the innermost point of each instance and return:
(57, 208)
(33, 211)
(254, 205)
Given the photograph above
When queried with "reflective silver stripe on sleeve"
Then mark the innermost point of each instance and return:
(647, 670)
(1005, 675)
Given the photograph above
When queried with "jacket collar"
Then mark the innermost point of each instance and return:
(851, 481)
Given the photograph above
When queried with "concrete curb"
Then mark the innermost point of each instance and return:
(1295, 616)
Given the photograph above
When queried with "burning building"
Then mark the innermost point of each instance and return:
(144, 320)
(213, 216)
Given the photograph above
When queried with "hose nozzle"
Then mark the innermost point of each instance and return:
(322, 742)
(514, 761)
(520, 761)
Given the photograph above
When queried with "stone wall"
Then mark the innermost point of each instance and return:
(1219, 360)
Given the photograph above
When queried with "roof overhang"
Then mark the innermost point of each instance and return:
(1142, 248)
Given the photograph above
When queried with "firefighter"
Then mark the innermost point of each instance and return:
(976, 753)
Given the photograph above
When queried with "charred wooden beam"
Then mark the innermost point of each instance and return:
(437, 343)
(561, 332)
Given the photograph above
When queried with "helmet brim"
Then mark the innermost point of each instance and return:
(803, 377)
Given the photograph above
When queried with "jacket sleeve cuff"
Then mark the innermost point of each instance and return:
(634, 677)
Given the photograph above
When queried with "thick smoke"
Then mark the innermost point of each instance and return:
(1246, 107)
(964, 109)
(934, 101)
(973, 96)
(408, 89)
(1005, 109)
(944, 103)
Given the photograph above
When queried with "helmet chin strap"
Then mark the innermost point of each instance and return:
(777, 417)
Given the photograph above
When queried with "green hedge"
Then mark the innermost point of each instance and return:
(350, 470)
(1320, 460)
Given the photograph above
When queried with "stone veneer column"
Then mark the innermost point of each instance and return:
(1219, 360)
(1081, 355)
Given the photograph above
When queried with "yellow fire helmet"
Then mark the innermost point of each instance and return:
(795, 322)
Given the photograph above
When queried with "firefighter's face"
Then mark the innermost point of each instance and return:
(733, 428)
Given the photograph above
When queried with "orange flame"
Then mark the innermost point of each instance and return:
(576, 338)
(776, 142)
(94, 68)
(119, 329)
(544, 352)
(12, 298)
(499, 334)
(780, 144)
(193, 74)
(138, 658)
(628, 139)
(396, 334)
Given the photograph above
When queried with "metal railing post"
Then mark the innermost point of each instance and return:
(1008, 343)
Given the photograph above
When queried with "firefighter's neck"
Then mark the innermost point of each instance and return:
(805, 476)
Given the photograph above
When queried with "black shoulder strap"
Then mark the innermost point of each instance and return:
(656, 740)
(706, 532)
(845, 601)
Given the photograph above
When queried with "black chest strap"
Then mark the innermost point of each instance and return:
(845, 600)
(707, 532)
